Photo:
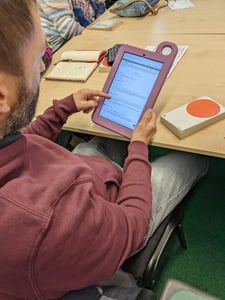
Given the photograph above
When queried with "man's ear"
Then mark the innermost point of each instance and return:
(4, 105)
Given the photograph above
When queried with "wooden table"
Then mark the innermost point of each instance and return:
(201, 72)
(206, 17)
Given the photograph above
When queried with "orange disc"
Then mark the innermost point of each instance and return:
(105, 62)
(203, 108)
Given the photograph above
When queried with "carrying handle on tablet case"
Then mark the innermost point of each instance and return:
(167, 49)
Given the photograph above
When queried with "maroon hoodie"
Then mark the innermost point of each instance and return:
(67, 221)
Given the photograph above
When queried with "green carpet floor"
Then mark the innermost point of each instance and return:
(203, 263)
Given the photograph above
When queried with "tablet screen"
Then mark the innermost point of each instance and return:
(130, 89)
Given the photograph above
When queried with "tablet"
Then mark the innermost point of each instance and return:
(134, 83)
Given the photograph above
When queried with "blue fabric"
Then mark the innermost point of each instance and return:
(98, 8)
(78, 12)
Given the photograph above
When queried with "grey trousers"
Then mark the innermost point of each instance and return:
(173, 175)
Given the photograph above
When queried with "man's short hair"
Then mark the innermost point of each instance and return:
(16, 30)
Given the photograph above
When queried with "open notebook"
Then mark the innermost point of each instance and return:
(76, 65)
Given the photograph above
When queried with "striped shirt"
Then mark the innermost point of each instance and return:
(58, 21)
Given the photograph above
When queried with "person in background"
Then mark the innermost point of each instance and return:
(63, 19)
(87, 11)
(70, 219)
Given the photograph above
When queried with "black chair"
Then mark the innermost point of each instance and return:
(143, 265)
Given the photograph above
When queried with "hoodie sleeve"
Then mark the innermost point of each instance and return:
(51, 122)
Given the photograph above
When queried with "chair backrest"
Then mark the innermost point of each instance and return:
(143, 265)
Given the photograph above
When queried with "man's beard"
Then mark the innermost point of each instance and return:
(23, 113)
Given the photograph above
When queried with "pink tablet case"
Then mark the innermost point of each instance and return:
(154, 57)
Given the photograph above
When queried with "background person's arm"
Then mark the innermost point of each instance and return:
(60, 15)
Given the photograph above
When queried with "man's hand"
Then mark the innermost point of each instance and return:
(146, 128)
(86, 99)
